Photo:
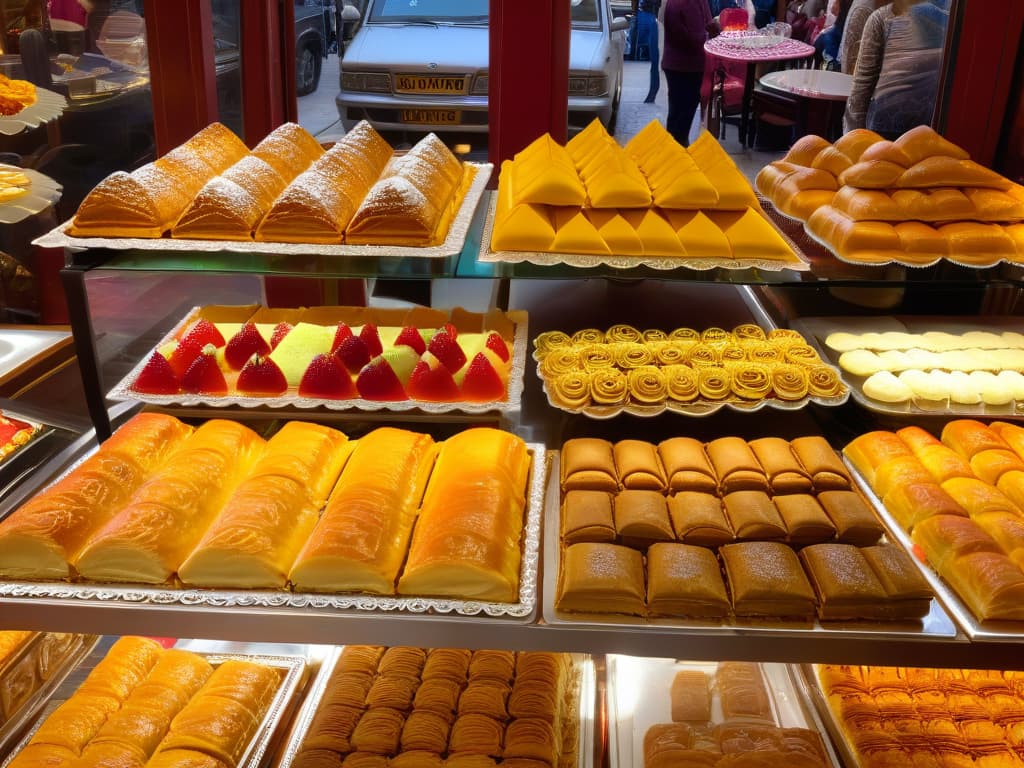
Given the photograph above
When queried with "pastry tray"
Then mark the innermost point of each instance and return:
(292, 670)
(123, 391)
(249, 599)
(487, 255)
(49, 105)
(37, 431)
(452, 245)
(936, 625)
(805, 679)
(639, 697)
(590, 730)
(42, 193)
(817, 329)
(79, 649)
(695, 408)
(958, 610)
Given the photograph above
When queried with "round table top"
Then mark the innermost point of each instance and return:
(753, 45)
(810, 83)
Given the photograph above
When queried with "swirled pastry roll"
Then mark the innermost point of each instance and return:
(763, 352)
(571, 390)
(41, 538)
(587, 336)
(630, 355)
(467, 538)
(669, 353)
(823, 381)
(801, 354)
(682, 383)
(647, 385)
(361, 539)
(731, 354)
(552, 340)
(702, 355)
(789, 382)
(714, 383)
(609, 386)
(687, 466)
(596, 356)
(589, 464)
(150, 537)
(749, 331)
(751, 381)
(684, 334)
(559, 361)
(623, 333)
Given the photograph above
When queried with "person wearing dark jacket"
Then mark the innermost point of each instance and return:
(686, 23)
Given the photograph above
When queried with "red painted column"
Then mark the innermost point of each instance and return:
(529, 74)
(980, 76)
(181, 65)
(268, 71)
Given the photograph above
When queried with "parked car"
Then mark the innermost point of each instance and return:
(423, 66)
(314, 31)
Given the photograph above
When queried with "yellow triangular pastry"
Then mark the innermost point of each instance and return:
(751, 236)
(657, 235)
(699, 235)
(617, 233)
(574, 234)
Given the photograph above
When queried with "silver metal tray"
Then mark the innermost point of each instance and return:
(143, 595)
(48, 106)
(817, 329)
(975, 629)
(123, 391)
(452, 245)
(42, 192)
(81, 646)
(487, 255)
(639, 697)
(805, 679)
(292, 669)
(317, 688)
(36, 433)
(936, 625)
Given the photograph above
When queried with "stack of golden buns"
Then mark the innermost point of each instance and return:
(143, 705)
(445, 708)
(286, 190)
(219, 506)
(624, 366)
(27, 661)
(934, 369)
(961, 500)
(912, 201)
(901, 716)
(649, 530)
(652, 198)
(746, 734)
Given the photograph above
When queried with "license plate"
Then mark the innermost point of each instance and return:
(431, 116)
(431, 83)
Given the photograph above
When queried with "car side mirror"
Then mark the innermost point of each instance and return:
(350, 14)
(620, 24)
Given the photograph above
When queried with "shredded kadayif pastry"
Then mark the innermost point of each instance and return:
(15, 95)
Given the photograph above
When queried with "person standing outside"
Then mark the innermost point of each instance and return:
(647, 34)
(686, 23)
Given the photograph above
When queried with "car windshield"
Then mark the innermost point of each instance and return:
(584, 12)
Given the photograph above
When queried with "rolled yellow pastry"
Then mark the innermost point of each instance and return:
(559, 361)
(681, 383)
(550, 340)
(763, 352)
(785, 337)
(595, 356)
(669, 353)
(751, 381)
(789, 382)
(732, 353)
(608, 386)
(823, 381)
(571, 390)
(653, 335)
(714, 383)
(648, 385)
(622, 332)
(801, 354)
(702, 356)
(749, 331)
(588, 336)
(684, 334)
(715, 335)
(630, 355)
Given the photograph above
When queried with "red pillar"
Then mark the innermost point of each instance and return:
(182, 74)
(268, 66)
(529, 74)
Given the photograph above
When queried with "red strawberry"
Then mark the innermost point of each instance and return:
(243, 345)
(204, 376)
(353, 353)
(431, 381)
(482, 383)
(280, 331)
(204, 332)
(372, 338)
(497, 345)
(343, 332)
(183, 356)
(411, 337)
(378, 381)
(452, 330)
(444, 347)
(156, 377)
(261, 376)
(327, 378)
